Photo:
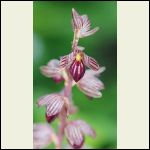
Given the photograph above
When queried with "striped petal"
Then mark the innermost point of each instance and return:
(52, 70)
(88, 33)
(85, 128)
(90, 92)
(91, 63)
(82, 24)
(76, 19)
(77, 70)
(55, 105)
(85, 24)
(45, 100)
(66, 60)
(74, 136)
(63, 61)
(91, 87)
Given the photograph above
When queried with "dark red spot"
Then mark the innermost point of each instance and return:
(58, 80)
(50, 118)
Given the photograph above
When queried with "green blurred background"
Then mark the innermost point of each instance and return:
(52, 39)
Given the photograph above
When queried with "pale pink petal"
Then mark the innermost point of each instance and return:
(89, 88)
(85, 128)
(76, 19)
(55, 105)
(74, 135)
(81, 24)
(90, 85)
(88, 33)
(45, 100)
(91, 63)
(54, 63)
(80, 48)
(90, 92)
(41, 136)
(91, 73)
(85, 24)
(52, 70)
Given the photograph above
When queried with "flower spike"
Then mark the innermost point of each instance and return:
(72, 70)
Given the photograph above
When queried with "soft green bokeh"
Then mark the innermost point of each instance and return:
(52, 39)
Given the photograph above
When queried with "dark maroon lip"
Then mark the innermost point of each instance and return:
(77, 70)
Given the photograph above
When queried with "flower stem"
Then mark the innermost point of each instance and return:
(63, 114)
(75, 39)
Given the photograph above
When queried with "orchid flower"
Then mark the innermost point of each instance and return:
(81, 25)
(76, 62)
(54, 103)
(42, 135)
(75, 132)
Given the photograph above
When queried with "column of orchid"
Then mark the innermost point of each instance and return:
(72, 70)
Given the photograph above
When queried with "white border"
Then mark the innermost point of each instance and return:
(17, 78)
(132, 74)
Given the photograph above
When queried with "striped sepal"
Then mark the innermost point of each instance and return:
(76, 19)
(66, 60)
(91, 63)
(74, 136)
(55, 106)
(85, 128)
(63, 61)
(44, 100)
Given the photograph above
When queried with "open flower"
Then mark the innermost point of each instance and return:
(54, 105)
(76, 62)
(75, 132)
(81, 25)
(90, 85)
(52, 70)
(42, 135)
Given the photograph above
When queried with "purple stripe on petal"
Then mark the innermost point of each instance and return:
(76, 19)
(91, 63)
(85, 128)
(63, 61)
(55, 106)
(44, 100)
(74, 136)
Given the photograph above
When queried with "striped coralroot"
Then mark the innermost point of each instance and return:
(70, 68)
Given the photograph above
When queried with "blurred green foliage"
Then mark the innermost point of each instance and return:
(52, 39)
